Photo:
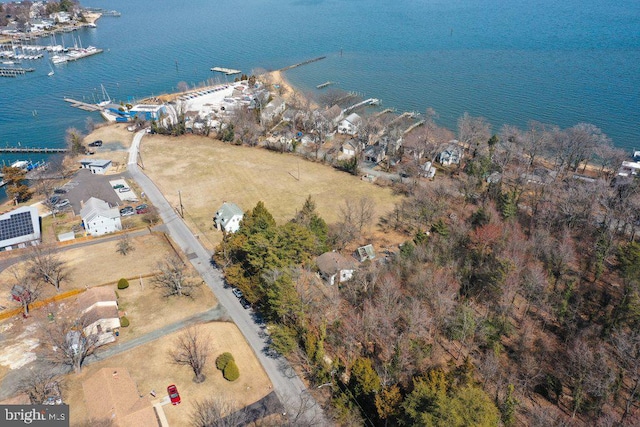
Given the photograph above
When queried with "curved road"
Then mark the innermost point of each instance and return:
(299, 405)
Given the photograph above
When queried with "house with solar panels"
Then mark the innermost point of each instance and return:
(19, 228)
(99, 218)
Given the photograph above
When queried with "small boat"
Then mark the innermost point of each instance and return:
(50, 73)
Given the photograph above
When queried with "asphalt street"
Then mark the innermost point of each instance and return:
(292, 392)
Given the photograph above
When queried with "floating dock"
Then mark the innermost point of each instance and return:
(227, 71)
(83, 105)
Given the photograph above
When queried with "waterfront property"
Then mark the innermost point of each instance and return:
(19, 228)
(99, 218)
(148, 111)
(228, 217)
(350, 124)
(97, 166)
(452, 155)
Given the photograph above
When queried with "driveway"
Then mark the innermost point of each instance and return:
(290, 389)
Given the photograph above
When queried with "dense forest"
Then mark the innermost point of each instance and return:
(514, 299)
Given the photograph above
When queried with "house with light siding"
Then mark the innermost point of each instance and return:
(99, 218)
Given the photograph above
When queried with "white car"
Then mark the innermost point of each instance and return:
(124, 189)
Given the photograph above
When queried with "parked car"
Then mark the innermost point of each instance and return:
(245, 303)
(60, 191)
(97, 143)
(237, 292)
(127, 211)
(118, 186)
(54, 199)
(123, 189)
(62, 204)
(142, 209)
(172, 390)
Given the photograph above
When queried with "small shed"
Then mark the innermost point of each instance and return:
(20, 294)
(365, 252)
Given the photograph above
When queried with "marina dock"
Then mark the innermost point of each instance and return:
(32, 150)
(13, 72)
(83, 105)
(227, 71)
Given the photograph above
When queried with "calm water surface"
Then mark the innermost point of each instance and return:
(511, 62)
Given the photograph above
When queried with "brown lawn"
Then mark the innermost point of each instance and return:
(151, 367)
(206, 173)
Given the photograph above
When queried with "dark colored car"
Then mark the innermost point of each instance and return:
(118, 186)
(141, 209)
(245, 303)
(172, 390)
(60, 191)
(97, 143)
(126, 211)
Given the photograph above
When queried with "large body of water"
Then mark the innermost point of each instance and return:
(555, 62)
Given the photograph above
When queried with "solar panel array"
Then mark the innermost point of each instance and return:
(16, 225)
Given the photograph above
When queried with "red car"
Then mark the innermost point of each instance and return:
(173, 394)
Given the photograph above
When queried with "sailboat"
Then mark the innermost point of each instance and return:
(105, 96)
(50, 73)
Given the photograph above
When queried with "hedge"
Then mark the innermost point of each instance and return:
(231, 371)
(223, 360)
(124, 322)
(123, 283)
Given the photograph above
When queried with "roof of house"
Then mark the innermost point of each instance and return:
(354, 119)
(228, 211)
(95, 207)
(332, 113)
(330, 263)
(95, 295)
(101, 163)
(366, 252)
(111, 395)
(100, 312)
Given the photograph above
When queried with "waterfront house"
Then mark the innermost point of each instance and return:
(19, 228)
(112, 398)
(273, 110)
(452, 155)
(350, 124)
(228, 217)
(97, 166)
(629, 169)
(330, 117)
(99, 310)
(375, 153)
(334, 267)
(148, 111)
(99, 218)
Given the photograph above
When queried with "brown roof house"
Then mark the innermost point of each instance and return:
(99, 310)
(334, 267)
(111, 396)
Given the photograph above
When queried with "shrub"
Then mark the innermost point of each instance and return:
(124, 322)
(123, 283)
(231, 371)
(223, 360)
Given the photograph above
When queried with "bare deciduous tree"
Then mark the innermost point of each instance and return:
(124, 245)
(73, 138)
(31, 289)
(44, 265)
(217, 411)
(474, 132)
(192, 349)
(67, 342)
(39, 383)
(174, 278)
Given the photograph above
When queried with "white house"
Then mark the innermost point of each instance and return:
(99, 218)
(19, 227)
(96, 166)
(451, 155)
(350, 148)
(228, 217)
(629, 169)
(333, 267)
(273, 109)
(350, 125)
(99, 310)
(427, 170)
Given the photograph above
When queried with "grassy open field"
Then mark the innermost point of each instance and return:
(151, 368)
(207, 173)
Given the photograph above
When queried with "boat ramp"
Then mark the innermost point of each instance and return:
(227, 71)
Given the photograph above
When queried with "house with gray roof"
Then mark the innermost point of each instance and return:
(99, 218)
(334, 267)
(350, 124)
(96, 166)
(228, 217)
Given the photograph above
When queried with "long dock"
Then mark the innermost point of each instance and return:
(227, 71)
(13, 72)
(370, 101)
(413, 126)
(83, 105)
(31, 150)
(302, 63)
(323, 85)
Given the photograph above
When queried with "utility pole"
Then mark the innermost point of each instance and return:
(181, 207)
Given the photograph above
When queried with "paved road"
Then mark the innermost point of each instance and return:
(290, 389)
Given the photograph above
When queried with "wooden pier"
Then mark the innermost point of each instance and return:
(13, 72)
(413, 126)
(32, 150)
(302, 63)
(83, 105)
(383, 112)
(227, 71)
(323, 85)
(370, 101)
